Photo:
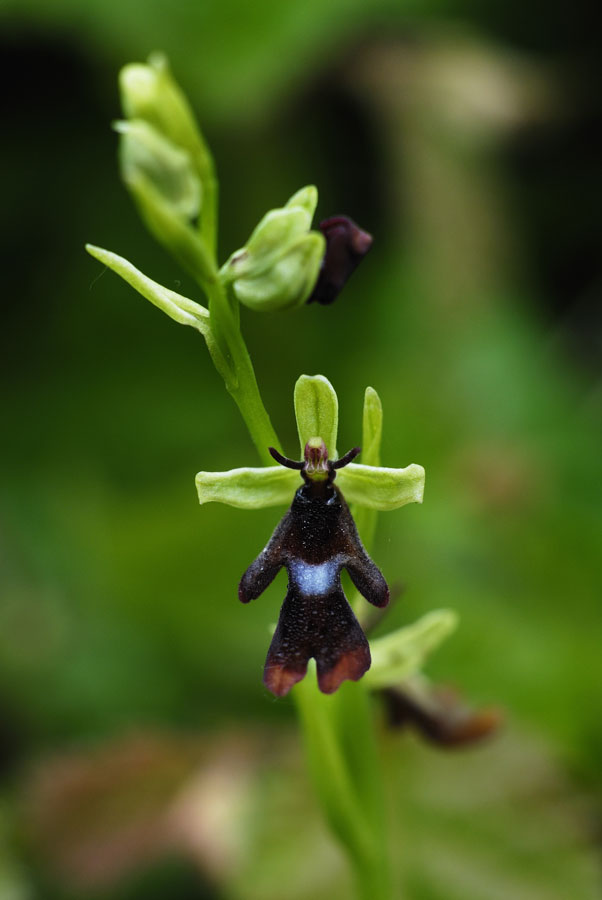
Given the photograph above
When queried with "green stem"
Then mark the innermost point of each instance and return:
(338, 730)
(239, 375)
(344, 767)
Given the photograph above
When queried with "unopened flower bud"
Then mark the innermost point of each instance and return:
(149, 92)
(288, 282)
(278, 266)
(166, 190)
(146, 154)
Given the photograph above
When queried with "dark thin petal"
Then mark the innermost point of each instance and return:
(368, 579)
(264, 569)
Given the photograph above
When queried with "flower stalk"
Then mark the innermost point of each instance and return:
(168, 168)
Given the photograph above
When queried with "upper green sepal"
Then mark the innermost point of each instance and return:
(317, 412)
(279, 265)
(398, 655)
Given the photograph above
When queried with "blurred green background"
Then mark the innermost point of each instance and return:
(140, 756)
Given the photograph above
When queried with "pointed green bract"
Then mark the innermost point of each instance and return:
(317, 412)
(380, 488)
(401, 653)
(180, 309)
(248, 488)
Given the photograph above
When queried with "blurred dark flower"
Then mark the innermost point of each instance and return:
(346, 246)
(439, 714)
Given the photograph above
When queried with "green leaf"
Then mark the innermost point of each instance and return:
(380, 487)
(400, 654)
(177, 307)
(248, 488)
(317, 412)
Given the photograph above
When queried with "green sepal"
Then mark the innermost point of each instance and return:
(317, 412)
(289, 281)
(377, 487)
(398, 655)
(248, 488)
(180, 309)
(278, 229)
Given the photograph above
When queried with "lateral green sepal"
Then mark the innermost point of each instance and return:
(248, 488)
(377, 487)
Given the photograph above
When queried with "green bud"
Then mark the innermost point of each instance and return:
(166, 191)
(248, 488)
(279, 265)
(402, 653)
(317, 412)
(150, 93)
(143, 151)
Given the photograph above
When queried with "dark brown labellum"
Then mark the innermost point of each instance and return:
(315, 541)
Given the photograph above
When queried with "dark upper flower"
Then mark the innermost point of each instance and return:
(346, 246)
